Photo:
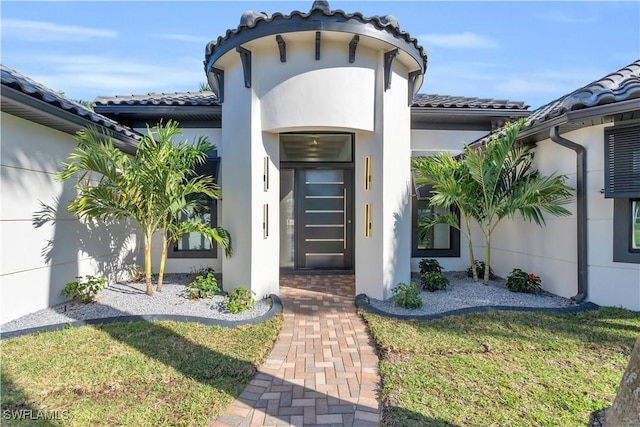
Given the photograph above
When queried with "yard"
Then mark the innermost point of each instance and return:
(502, 368)
(143, 373)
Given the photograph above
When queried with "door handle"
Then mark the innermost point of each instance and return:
(344, 222)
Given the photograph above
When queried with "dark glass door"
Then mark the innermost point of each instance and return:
(324, 219)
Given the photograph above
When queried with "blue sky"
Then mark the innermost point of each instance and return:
(524, 51)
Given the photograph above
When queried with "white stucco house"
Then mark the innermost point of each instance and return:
(315, 117)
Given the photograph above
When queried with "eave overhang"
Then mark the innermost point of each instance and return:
(30, 108)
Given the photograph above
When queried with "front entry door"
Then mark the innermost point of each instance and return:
(324, 219)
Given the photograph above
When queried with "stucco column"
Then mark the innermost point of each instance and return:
(383, 258)
(255, 263)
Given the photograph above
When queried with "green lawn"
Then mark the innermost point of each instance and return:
(142, 374)
(502, 368)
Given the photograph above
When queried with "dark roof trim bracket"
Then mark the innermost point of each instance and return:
(389, 58)
(317, 45)
(413, 79)
(245, 56)
(353, 44)
(216, 83)
(282, 46)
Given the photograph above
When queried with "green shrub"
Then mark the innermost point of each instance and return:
(520, 281)
(429, 265)
(85, 288)
(239, 300)
(407, 296)
(480, 266)
(433, 281)
(202, 271)
(203, 287)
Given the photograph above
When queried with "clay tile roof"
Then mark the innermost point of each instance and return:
(162, 99)
(447, 101)
(21, 83)
(251, 20)
(618, 86)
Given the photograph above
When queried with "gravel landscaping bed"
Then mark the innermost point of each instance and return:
(126, 299)
(463, 293)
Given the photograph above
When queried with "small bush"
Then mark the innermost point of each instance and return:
(433, 281)
(520, 281)
(480, 266)
(202, 271)
(137, 274)
(203, 287)
(429, 265)
(407, 296)
(85, 288)
(239, 300)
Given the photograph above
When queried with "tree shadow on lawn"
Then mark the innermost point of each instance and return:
(226, 373)
(401, 417)
(17, 407)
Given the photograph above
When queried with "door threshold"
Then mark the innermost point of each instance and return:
(314, 272)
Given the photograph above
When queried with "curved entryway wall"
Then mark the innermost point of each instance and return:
(308, 73)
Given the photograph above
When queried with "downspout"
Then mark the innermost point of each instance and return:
(581, 211)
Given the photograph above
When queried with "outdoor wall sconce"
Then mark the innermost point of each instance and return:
(265, 221)
(367, 173)
(367, 220)
(265, 174)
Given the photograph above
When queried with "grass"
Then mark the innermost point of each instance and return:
(502, 368)
(143, 373)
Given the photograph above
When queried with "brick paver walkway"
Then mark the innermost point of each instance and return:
(323, 369)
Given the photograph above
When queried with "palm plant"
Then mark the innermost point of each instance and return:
(153, 187)
(451, 187)
(503, 173)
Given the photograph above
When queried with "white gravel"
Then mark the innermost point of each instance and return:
(125, 299)
(463, 292)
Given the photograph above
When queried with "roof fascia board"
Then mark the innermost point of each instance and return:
(580, 115)
(127, 145)
(604, 110)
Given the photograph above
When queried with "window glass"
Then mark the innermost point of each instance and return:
(438, 236)
(194, 241)
(635, 225)
(312, 147)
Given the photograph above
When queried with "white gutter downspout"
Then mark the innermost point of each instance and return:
(581, 210)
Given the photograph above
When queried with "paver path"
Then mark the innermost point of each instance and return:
(323, 369)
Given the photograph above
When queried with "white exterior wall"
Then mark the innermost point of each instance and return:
(425, 142)
(550, 252)
(37, 262)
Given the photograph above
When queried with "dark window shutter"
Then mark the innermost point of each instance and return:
(622, 162)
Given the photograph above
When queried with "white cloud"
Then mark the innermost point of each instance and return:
(458, 40)
(88, 76)
(534, 86)
(41, 31)
(185, 38)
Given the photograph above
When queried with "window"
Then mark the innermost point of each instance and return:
(622, 183)
(440, 240)
(635, 225)
(195, 245)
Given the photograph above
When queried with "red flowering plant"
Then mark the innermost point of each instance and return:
(521, 281)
